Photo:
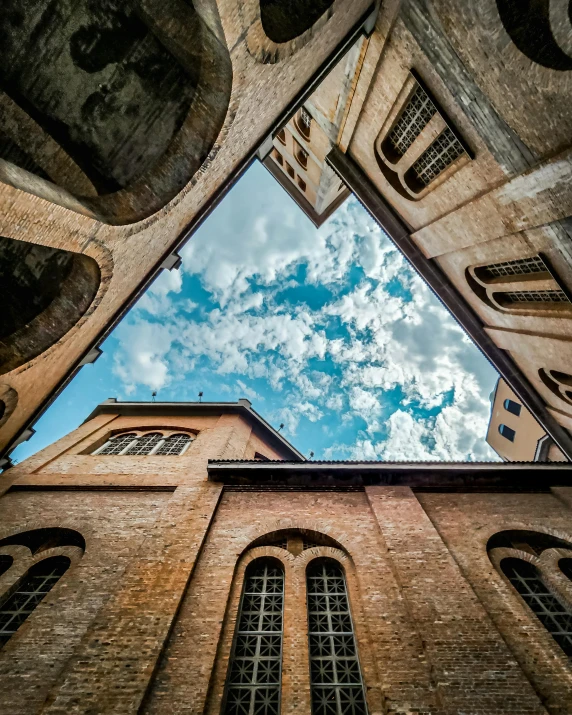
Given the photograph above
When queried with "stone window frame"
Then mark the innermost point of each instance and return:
(400, 169)
(23, 559)
(526, 285)
(165, 434)
(295, 630)
(552, 576)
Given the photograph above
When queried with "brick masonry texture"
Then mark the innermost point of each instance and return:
(144, 620)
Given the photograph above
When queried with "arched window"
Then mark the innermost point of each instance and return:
(281, 136)
(513, 407)
(5, 563)
(117, 445)
(335, 674)
(37, 582)
(303, 123)
(417, 113)
(145, 444)
(550, 610)
(445, 150)
(175, 444)
(507, 432)
(565, 566)
(254, 674)
(301, 155)
(517, 267)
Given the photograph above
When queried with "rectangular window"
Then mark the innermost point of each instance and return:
(417, 114)
(439, 156)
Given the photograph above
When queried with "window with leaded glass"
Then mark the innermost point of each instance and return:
(511, 298)
(254, 675)
(145, 444)
(335, 674)
(174, 444)
(418, 112)
(435, 159)
(117, 444)
(39, 580)
(517, 267)
(549, 609)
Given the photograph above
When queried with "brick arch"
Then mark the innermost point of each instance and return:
(301, 525)
(118, 108)
(47, 294)
(270, 40)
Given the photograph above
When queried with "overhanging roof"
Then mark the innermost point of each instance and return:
(187, 409)
(451, 476)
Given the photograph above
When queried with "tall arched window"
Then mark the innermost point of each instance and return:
(507, 432)
(37, 582)
(254, 675)
(335, 674)
(550, 610)
(175, 444)
(513, 407)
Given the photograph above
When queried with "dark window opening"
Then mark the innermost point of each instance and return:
(507, 432)
(5, 563)
(284, 20)
(512, 407)
(335, 674)
(255, 667)
(417, 113)
(38, 582)
(549, 609)
(533, 542)
(281, 136)
(302, 184)
(38, 540)
(304, 123)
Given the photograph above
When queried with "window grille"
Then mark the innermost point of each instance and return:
(507, 432)
(552, 613)
(415, 117)
(519, 267)
(533, 296)
(118, 444)
(174, 444)
(437, 157)
(336, 681)
(513, 407)
(145, 444)
(309, 544)
(39, 580)
(253, 682)
(305, 119)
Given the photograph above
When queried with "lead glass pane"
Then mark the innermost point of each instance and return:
(335, 674)
(552, 613)
(518, 267)
(534, 296)
(39, 580)
(145, 444)
(253, 680)
(118, 444)
(414, 118)
(174, 444)
(437, 157)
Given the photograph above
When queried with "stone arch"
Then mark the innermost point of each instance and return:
(277, 29)
(8, 402)
(109, 108)
(44, 292)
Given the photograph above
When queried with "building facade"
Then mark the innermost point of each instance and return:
(513, 432)
(184, 558)
(450, 121)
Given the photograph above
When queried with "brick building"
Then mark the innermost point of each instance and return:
(185, 558)
(123, 126)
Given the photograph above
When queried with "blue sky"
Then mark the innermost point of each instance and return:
(327, 330)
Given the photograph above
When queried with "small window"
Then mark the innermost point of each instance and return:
(301, 184)
(513, 407)
(39, 581)
(304, 123)
(507, 432)
(518, 267)
(145, 444)
(281, 136)
(513, 298)
(277, 156)
(445, 150)
(260, 457)
(175, 444)
(301, 155)
(5, 563)
(417, 114)
(291, 172)
(118, 444)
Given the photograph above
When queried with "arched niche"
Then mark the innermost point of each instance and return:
(38, 540)
(284, 20)
(106, 107)
(8, 402)
(44, 291)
